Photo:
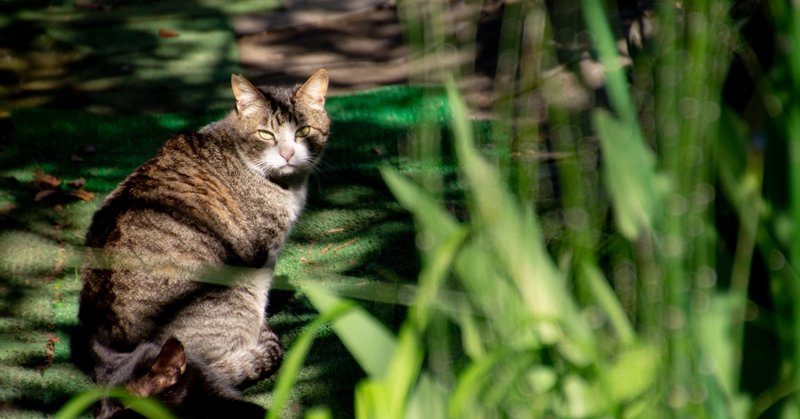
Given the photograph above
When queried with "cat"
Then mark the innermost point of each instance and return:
(212, 205)
(168, 374)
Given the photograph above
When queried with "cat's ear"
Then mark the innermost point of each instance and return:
(312, 93)
(245, 93)
(170, 363)
(166, 371)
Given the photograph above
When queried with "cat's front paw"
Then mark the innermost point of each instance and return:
(272, 352)
(267, 355)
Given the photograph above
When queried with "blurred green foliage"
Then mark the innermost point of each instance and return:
(660, 277)
(624, 239)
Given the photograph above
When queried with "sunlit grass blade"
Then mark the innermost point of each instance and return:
(630, 375)
(470, 383)
(354, 328)
(607, 300)
(295, 357)
(386, 396)
(616, 83)
(516, 241)
(429, 400)
(319, 413)
(629, 170)
(79, 404)
(437, 227)
(430, 217)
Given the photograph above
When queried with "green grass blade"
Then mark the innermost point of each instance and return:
(629, 165)
(354, 329)
(297, 355)
(319, 413)
(79, 404)
(634, 372)
(470, 383)
(515, 239)
(429, 400)
(404, 369)
(386, 397)
(629, 175)
(616, 83)
(607, 300)
(428, 214)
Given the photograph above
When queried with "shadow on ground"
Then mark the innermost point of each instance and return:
(114, 57)
(352, 235)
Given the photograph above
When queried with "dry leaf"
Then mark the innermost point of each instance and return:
(81, 194)
(45, 181)
(343, 245)
(77, 183)
(166, 33)
(50, 352)
(44, 194)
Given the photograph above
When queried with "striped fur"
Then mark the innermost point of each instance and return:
(186, 245)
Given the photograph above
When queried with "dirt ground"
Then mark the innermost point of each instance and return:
(111, 57)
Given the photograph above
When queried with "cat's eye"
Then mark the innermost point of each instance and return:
(302, 132)
(266, 135)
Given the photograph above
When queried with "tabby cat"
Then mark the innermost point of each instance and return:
(185, 246)
(167, 373)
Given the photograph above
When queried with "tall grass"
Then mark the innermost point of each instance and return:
(635, 300)
(631, 292)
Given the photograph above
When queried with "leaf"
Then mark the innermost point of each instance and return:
(81, 194)
(41, 195)
(616, 83)
(354, 329)
(633, 373)
(294, 359)
(166, 33)
(608, 301)
(470, 383)
(629, 170)
(79, 404)
(45, 181)
(403, 370)
(77, 183)
(319, 413)
(432, 220)
(515, 240)
(385, 397)
(429, 400)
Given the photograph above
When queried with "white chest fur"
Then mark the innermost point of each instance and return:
(297, 201)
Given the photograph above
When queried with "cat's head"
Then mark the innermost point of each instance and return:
(283, 130)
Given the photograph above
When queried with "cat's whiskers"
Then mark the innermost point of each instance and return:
(321, 165)
(262, 168)
(312, 166)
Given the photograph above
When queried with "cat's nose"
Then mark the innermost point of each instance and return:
(286, 153)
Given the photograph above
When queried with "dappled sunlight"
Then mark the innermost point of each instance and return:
(111, 57)
(567, 209)
(353, 236)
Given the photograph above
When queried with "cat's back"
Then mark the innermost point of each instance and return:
(183, 181)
